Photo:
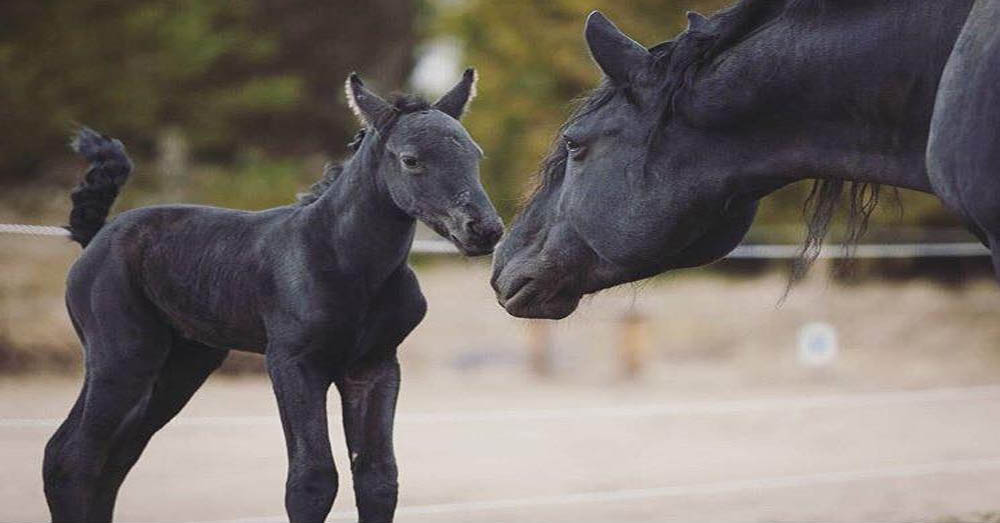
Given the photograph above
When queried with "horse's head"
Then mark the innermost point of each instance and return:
(430, 165)
(618, 201)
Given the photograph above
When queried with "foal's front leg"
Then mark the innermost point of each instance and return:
(368, 393)
(300, 385)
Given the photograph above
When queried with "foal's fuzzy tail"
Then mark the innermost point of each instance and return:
(93, 197)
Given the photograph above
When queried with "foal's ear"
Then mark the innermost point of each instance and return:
(696, 21)
(615, 53)
(367, 106)
(456, 101)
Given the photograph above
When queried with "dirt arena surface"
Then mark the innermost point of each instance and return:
(724, 424)
(519, 450)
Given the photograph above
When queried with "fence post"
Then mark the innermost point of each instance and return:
(540, 347)
(173, 163)
(634, 343)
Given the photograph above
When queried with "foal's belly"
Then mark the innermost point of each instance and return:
(210, 304)
(218, 332)
(223, 327)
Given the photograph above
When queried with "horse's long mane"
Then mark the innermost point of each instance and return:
(403, 104)
(678, 60)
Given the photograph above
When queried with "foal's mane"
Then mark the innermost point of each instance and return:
(403, 104)
(678, 61)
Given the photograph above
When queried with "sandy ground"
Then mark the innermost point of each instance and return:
(723, 425)
(516, 449)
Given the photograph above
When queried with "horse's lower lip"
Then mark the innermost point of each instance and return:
(514, 290)
(527, 301)
(518, 296)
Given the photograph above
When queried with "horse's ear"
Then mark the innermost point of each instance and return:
(371, 110)
(456, 101)
(696, 21)
(615, 53)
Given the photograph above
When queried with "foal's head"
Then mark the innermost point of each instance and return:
(429, 164)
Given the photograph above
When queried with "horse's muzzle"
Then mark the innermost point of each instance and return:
(528, 288)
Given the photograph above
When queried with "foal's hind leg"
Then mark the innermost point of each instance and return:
(55, 445)
(53, 471)
(185, 370)
(126, 346)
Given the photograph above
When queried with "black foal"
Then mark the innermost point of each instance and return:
(321, 288)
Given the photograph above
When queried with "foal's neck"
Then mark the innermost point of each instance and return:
(357, 223)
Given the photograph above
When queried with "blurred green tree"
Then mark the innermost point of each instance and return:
(264, 73)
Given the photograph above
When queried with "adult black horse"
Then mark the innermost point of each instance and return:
(663, 165)
(322, 288)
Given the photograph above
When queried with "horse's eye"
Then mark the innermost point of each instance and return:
(410, 162)
(572, 146)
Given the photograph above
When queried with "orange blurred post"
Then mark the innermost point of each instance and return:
(540, 347)
(634, 343)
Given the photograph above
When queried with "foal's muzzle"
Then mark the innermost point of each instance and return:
(475, 235)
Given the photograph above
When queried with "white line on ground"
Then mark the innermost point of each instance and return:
(876, 399)
(697, 489)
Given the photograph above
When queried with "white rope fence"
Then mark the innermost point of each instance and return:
(886, 250)
(32, 230)
(747, 252)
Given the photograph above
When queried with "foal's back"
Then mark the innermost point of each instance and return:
(208, 271)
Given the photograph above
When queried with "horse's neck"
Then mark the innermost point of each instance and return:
(888, 60)
(356, 223)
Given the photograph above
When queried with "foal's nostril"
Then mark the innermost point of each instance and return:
(486, 232)
(472, 225)
(494, 233)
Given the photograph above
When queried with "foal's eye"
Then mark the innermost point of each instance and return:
(410, 162)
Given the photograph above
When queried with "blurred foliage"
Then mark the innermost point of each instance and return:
(254, 181)
(262, 73)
